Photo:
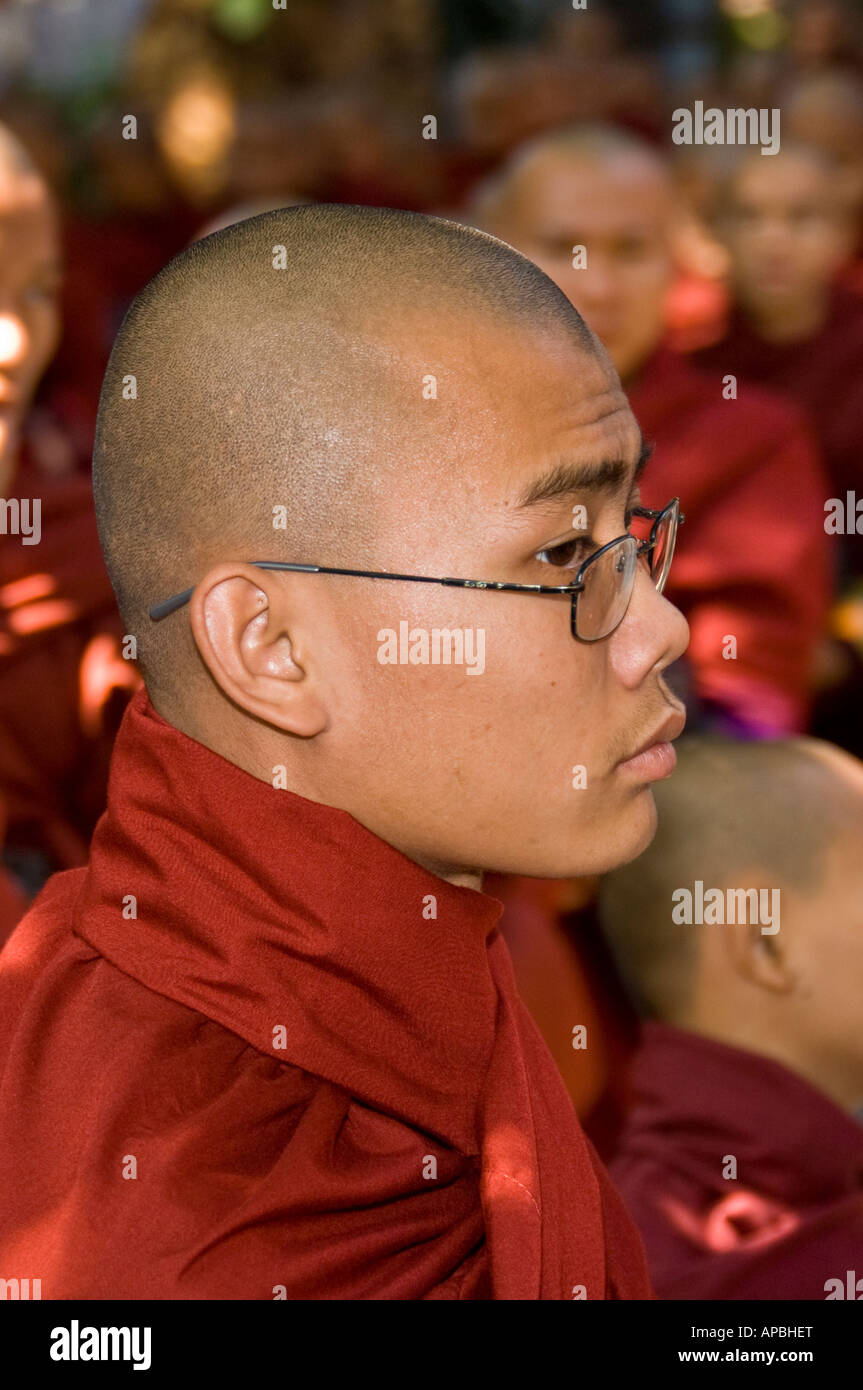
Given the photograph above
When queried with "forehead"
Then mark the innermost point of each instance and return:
(512, 401)
(781, 179)
(622, 193)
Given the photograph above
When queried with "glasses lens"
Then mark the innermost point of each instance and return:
(608, 582)
(663, 550)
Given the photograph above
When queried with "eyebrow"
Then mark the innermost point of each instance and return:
(567, 479)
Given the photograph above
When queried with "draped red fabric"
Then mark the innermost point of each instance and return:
(824, 375)
(59, 671)
(253, 1051)
(752, 558)
(786, 1221)
(562, 973)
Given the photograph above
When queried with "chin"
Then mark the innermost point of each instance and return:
(635, 834)
(587, 850)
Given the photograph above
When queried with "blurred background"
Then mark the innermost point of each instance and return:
(239, 102)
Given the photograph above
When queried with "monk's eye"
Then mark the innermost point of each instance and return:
(568, 554)
(631, 250)
(558, 248)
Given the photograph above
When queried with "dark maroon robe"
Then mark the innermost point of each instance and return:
(63, 681)
(752, 560)
(791, 1220)
(824, 374)
(253, 1051)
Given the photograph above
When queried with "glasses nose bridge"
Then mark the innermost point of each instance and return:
(669, 518)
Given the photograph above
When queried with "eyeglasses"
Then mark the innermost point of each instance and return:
(599, 594)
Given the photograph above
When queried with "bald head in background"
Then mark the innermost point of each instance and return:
(307, 388)
(29, 291)
(786, 224)
(784, 815)
(611, 193)
(826, 110)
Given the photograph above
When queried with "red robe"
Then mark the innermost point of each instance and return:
(752, 557)
(566, 978)
(13, 903)
(824, 374)
(793, 1217)
(302, 1066)
(63, 682)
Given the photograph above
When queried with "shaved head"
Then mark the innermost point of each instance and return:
(260, 369)
(371, 390)
(826, 107)
(596, 208)
(591, 144)
(734, 815)
(822, 167)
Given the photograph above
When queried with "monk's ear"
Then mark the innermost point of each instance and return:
(243, 627)
(759, 957)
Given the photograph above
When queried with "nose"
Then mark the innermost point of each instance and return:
(653, 634)
(13, 339)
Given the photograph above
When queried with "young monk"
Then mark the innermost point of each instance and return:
(272, 1027)
(595, 208)
(788, 232)
(742, 1152)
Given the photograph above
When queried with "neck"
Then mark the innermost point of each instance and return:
(253, 750)
(459, 878)
(845, 1089)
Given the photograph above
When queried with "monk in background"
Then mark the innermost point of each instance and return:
(741, 1155)
(797, 326)
(595, 208)
(62, 679)
(787, 228)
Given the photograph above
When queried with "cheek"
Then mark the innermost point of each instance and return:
(651, 284)
(547, 702)
(828, 251)
(517, 687)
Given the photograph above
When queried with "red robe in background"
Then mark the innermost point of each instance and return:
(824, 374)
(752, 557)
(13, 903)
(793, 1217)
(63, 681)
(281, 1059)
(567, 979)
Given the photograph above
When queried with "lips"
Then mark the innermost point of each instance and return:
(666, 732)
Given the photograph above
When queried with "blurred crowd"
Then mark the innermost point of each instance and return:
(727, 286)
